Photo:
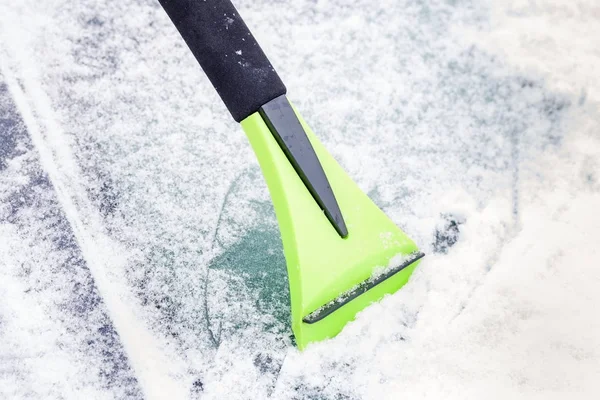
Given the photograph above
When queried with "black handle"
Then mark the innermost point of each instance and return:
(227, 52)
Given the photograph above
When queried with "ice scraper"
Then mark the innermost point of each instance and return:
(342, 252)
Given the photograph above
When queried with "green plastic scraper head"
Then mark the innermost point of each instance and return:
(331, 277)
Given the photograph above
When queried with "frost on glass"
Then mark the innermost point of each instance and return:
(139, 252)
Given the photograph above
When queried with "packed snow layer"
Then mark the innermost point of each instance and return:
(140, 256)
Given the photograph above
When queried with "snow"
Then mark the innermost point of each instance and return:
(139, 253)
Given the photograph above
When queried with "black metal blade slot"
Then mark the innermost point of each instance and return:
(287, 130)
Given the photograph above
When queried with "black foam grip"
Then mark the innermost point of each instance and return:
(227, 52)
